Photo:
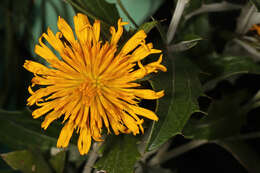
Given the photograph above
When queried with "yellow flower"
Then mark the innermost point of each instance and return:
(91, 84)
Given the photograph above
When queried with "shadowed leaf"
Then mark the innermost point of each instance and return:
(120, 155)
(19, 130)
(26, 161)
(182, 87)
(225, 118)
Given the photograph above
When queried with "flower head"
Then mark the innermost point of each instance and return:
(91, 84)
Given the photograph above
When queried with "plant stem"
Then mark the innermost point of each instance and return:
(92, 157)
(126, 13)
(175, 19)
(254, 53)
(243, 21)
(177, 151)
(244, 136)
(214, 7)
(161, 152)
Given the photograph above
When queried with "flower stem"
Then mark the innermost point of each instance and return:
(92, 158)
(214, 7)
(176, 19)
(177, 151)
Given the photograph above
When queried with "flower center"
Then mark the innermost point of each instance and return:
(90, 88)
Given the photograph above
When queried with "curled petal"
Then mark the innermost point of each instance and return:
(117, 34)
(133, 42)
(142, 52)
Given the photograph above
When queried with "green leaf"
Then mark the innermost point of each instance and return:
(148, 26)
(58, 161)
(221, 68)
(256, 3)
(225, 118)
(45, 14)
(26, 161)
(120, 155)
(97, 9)
(182, 88)
(138, 10)
(19, 130)
(198, 26)
(243, 153)
(189, 42)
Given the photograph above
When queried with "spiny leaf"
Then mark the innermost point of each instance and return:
(222, 113)
(182, 87)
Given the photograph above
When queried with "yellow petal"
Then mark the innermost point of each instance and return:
(47, 106)
(142, 52)
(54, 41)
(45, 52)
(66, 30)
(84, 140)
(155, 66)
(130, 123)
(133, 42)
(96, 30)
(50, 118)
(146, 93)
(82, 28)
(117, 34)
(144, 112)
(36, 67)
(65, 135)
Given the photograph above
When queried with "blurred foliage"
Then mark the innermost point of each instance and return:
(211, 86)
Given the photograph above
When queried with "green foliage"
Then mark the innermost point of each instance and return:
(221, 114)
(138, 10)
(120, 155)
(179, 102)
(19, 131)
(148, 26)
(58, 161)
(99, 9)
(45, 14)
(26, 161)
(199, 64)
(221, 68)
